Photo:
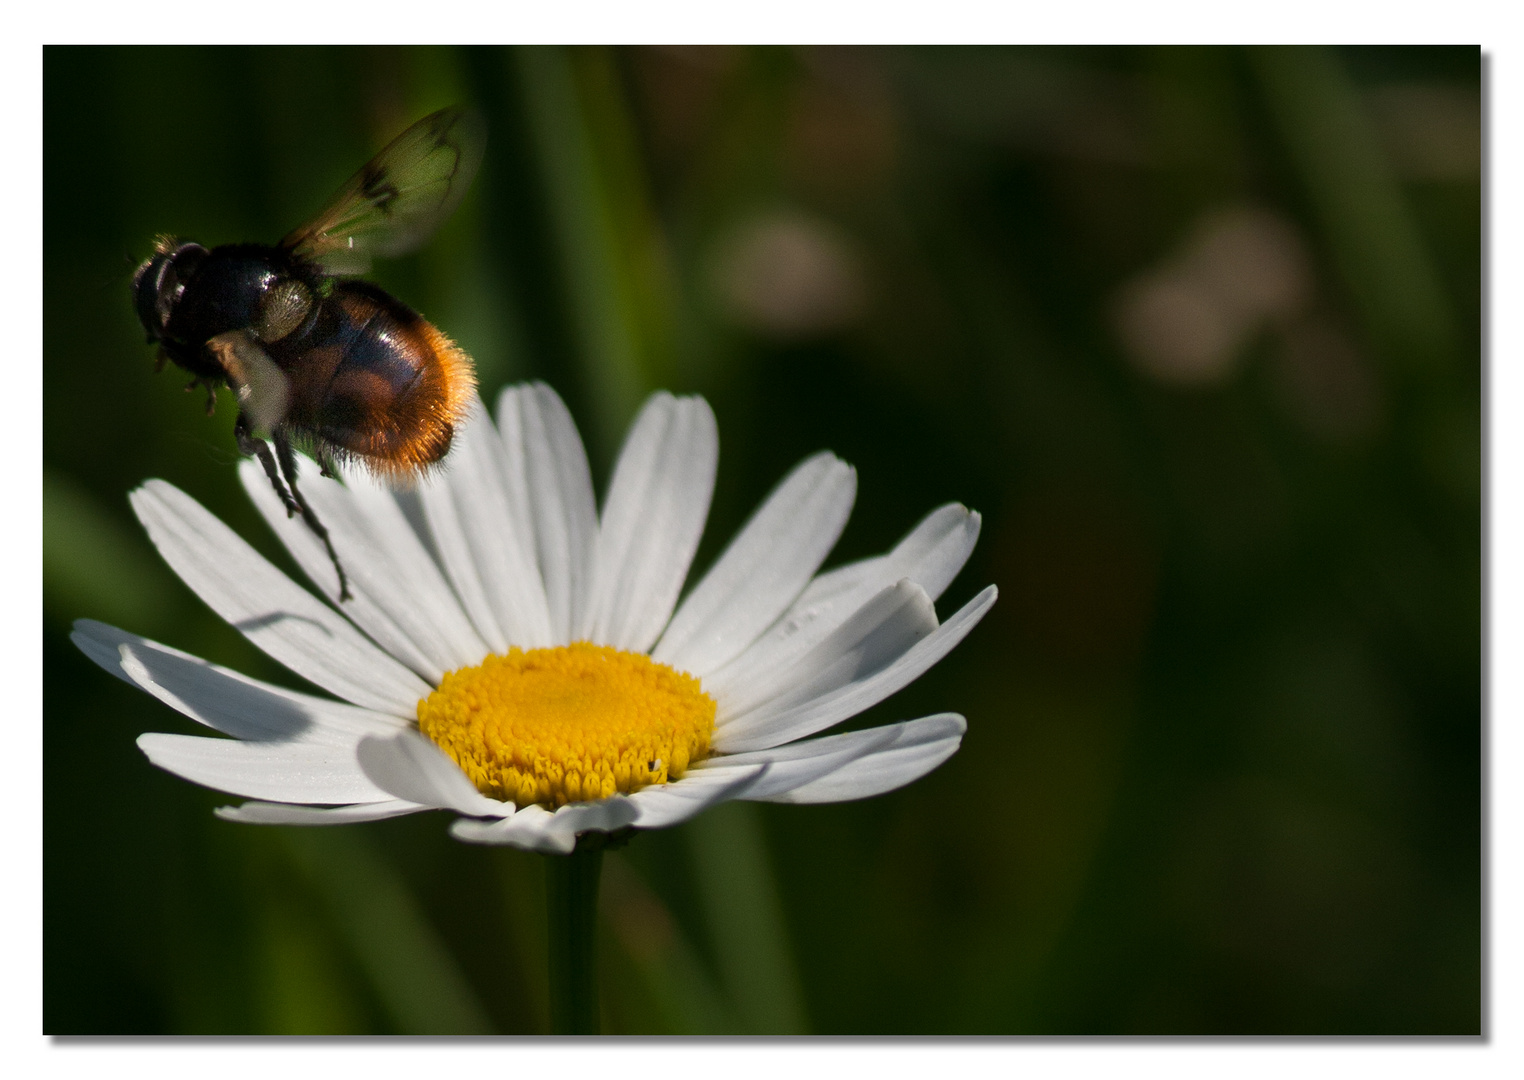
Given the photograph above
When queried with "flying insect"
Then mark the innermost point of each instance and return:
(316, 358)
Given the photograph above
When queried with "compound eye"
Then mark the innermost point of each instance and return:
(187, 258)
(282, 309)
(155, 292)
(160, 282)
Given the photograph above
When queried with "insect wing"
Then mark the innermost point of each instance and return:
(262, 389)
(399, 197)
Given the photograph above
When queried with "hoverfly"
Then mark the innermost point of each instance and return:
(314, 357)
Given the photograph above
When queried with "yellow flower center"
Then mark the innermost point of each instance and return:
(570, 724)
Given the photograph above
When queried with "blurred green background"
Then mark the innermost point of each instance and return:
(1198, 330)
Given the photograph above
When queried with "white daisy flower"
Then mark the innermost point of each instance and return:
(512, 655)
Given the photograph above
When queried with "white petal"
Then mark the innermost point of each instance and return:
(661, 805)
(857, 743)
(931, 556)
(536, 829)
(99, 641)
(513, 465)
(409, 766)
(770, 727)
(398, 595)
(264, 813)
(538, 430)
(486, 543)
(310, 554)
(282, 772)
(415, 591)
(876, 635)
(448, 537)
(652, 521)
(796, 764)
(268, 608)
(920, 746)
(225, 700)
(935, 550)
(764, 569)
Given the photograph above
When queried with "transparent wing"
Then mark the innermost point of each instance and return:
(399, 197)
(262, 388)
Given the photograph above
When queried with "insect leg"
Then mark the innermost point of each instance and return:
(288, 466)
(250, 446)
(211, 392)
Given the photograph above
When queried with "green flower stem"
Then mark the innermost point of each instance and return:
(571, 895)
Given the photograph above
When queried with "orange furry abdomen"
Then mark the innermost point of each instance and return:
(385, 389)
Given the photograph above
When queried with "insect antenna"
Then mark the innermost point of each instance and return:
(288, 467)
(117, 280)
